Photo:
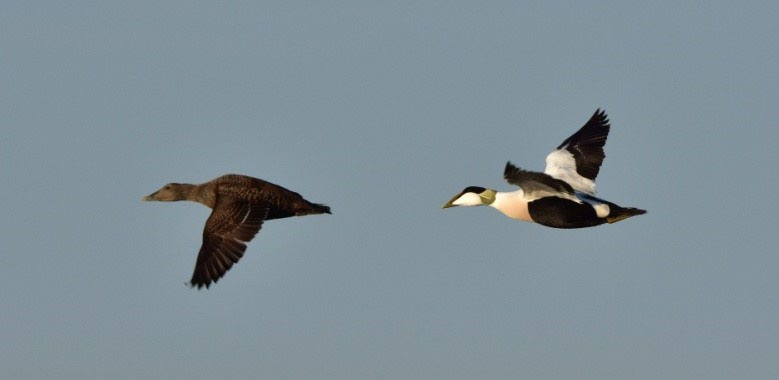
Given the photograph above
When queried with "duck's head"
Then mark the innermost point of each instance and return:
(170, 192)
(472, 196)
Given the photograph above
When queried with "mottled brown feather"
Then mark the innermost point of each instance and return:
(231, 225)
(240, 204)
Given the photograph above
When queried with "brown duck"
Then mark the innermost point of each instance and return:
(240, 204)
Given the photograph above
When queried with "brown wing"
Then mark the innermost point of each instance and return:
(231, 225)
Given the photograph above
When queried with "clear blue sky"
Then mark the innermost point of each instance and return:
(384, 110)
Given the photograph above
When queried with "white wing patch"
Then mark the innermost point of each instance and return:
(602, 210)
(560, 164)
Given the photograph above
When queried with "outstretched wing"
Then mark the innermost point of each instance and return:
(231, 225)
(537, 185)
(578, 159)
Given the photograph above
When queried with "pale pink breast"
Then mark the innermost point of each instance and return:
(513, 206)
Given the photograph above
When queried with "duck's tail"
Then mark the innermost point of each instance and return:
(317, 208)
(618, 213)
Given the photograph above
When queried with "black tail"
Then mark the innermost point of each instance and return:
(320, 209)
(618, 213)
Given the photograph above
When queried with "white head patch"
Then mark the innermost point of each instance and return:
(468, 199)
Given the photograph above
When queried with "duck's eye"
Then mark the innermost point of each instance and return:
(167, 187)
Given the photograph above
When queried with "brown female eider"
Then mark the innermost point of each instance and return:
(240, 204)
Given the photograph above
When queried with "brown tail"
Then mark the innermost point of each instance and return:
(619, 213)
(307, 208)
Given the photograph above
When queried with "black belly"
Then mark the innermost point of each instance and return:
(563, 213)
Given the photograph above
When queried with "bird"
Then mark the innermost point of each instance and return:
(563, 196)
(240, 204)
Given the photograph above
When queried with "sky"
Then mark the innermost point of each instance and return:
(384, 111)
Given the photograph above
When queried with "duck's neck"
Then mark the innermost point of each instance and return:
(199, 194)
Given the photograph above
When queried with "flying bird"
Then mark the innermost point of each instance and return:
(563, 196)
(240, 204)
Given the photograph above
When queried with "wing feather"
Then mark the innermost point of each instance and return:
(537, 185)
(231, 225)
(578, 159)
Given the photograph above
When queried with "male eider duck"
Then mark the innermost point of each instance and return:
(240, 204)
(563, 196)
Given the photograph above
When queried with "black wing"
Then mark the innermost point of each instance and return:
(586, 146)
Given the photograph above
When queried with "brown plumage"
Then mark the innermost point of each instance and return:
(240, 204)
